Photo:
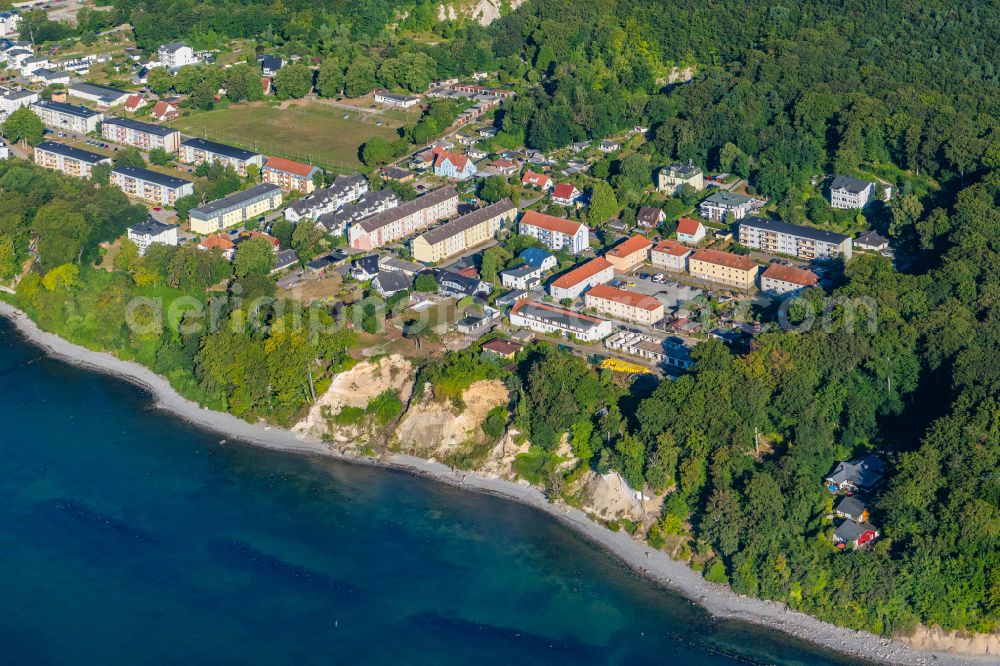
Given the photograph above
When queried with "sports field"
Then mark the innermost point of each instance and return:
(310, 132)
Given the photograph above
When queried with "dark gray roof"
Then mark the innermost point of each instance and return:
(368, 263)
(392, 281)
(794, 230)
(71, 152)
(862, 472)
(104, 92)
(149, 128)
(151, 176)
(521, 271)
(387, 217)
(255, 193)
(457, 283)
(357, 210)
(872, 238)
(850, 530)
(286, 258)
(682, 170)
(270, 62)
(319, 198)
(151, 228)
(852, 185)
(727, 198)
(68, 109)
(467, 221)
(852, 505)
(171, 47)
(648, 214)
(220, 149)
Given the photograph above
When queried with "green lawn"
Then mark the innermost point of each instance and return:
(304, 131)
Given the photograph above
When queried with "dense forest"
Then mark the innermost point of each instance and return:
(780, 94)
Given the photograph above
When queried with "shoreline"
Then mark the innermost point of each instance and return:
(657, 566)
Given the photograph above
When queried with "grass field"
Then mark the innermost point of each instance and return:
(319, 134)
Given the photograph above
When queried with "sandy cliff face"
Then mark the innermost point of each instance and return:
(433, 429)
(936, 639)
(482, 11)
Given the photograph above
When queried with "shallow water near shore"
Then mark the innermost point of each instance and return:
(127, 536)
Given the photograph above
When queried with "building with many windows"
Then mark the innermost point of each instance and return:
(196, 151)
(850, 192)
(775, 237)
(67, 159)
(71, 117)
(544, 318)
(624, 305)
(556, 232)
(462, 233)
(12, 100)
(671, 179)
(103, 96)
(144, 136)
(403, 220)
(237, 208)
(718, 204)
(175, 55)
(723, 268)
(341, 192)
(629, 254)
(780, 279)
(670, 255)
(289, 175)
(573, 283)
(150, 186)
(662, 351)
(152, 232)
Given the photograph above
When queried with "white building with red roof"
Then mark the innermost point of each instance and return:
(565, 194)
(539, 180)
(570, 285)
(781, 279)
(624, 305)
(453, 165)
(629, 254)
(690, 231)
(670, 255)
(545, 318)
(557, 233)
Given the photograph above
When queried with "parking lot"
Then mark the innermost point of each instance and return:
(670, 292)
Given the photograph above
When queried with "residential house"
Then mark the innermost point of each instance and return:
(59, 115)
(460, 286)
(855, 535)
(504, 167)
(152, 232)
(853, 507)
(556, 232)
(220, 242)
(723, 268)
(573, 283)
(365, 268)
(846, 193)
(133, 103)
(666, 353)
(48, 77)
(690, 231)
(395, 173)
(392, 99)
(341, 192)
(337, 222)
(545, 318)
(237, 208)
(670, 255)
(10, 23)
(175, 55)
(775, 237)
(609, 146)
(649, 218)
(285, 259)
(453, 165)
(269, 65)
(539, 180)
(388, 262)
(718, 204)
(289, 175)
(144, 136)
(500, 348)
(538, 258)
(524, 276)
(672, 179)
(150, 186)
(871, 241)
(565, 194)
(859, 474)
(103, 96)
(629, 254)
(390, 283)
(67, 159)
(509, 298)
(30, 65)
(624, 305)
(12, 100)
(163, 111)
(403, 220)
(196, 151)
(786, 280)
(462, 233)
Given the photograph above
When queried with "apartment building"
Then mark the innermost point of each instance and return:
(289, 175)
(624, 305)
(670, 255)
(150, 186)
(70, 161)
(152, 232)
(237, 208)
(847, 193)
(12, 100)
(10, 21)
(196, 151)
(780, 279)
(144, 136)
(775, 237)
(175, 55)
(723, 268)
(718, 204)
(629, 254)
(103, 96)
(556, 232)
(462, 233)
(404, 220)
(343, 191)
(671, 179)
(544, 318)
(521, 277)
(70, 117)
(370, 204)
(570, 285)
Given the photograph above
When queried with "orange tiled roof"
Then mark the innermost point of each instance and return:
(625, 248)
(550, 222)
(582, 272)
(288, 166)
(687, 226)
(725, 259)
(791, 274)
(625, 297)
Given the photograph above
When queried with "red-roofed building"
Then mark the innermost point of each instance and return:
(570, 285)
(504, 166)
(469, 272)
(690, 231)
(565, 194)
(670, 255)
(629, 254)
(165, 111)
(545, 318)
(220, 242)
(723, 268)
(557, 233)
(289, 175)
(781, 279)
(502, 348)
(624, 305)
(453, 165)
(539, 180)
(133, 103)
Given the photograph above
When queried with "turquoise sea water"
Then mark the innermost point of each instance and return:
(128, 537)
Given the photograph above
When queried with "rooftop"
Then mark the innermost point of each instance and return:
(389, 216)
(811, 233)
(151, 228)
(672, 247)
(71, 152)
(149, 128)
(290, 166)
(687, 226)
(726, 198)
(727, 259)
(625, 248)
(502, 347)
(852, 185)
(582, 272)
(104, 92)
(151, 176)
(235, 199)
(799, 276)
(467, 221)
(555, 314)
(551, 223)
(624, 297)
(68, 109)
(219, 148)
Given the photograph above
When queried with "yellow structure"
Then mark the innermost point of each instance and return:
(724, 268)
(465, 232)
(235, 209)
(618, 365)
